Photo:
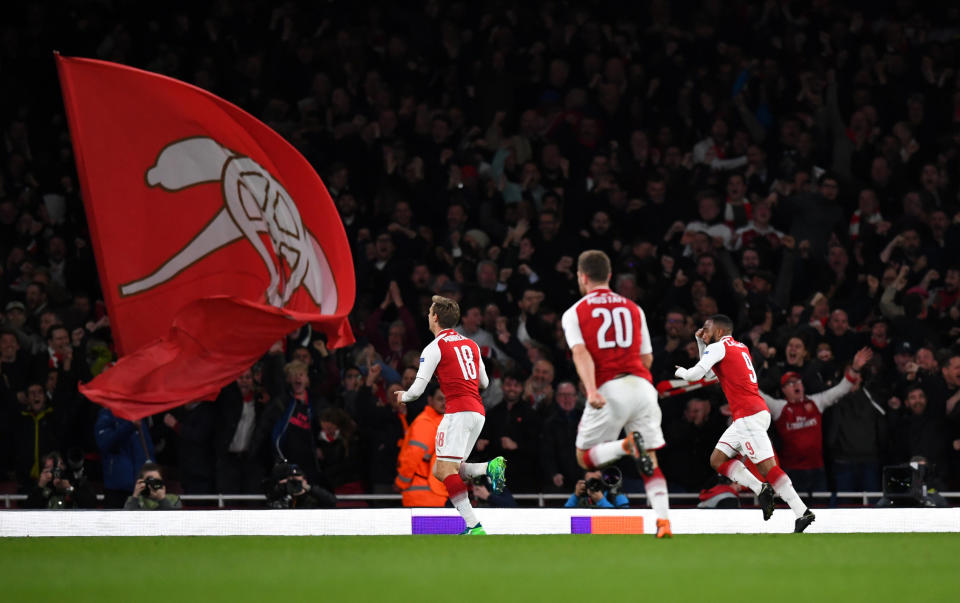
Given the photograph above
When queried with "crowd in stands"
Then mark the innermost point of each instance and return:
(794, 165)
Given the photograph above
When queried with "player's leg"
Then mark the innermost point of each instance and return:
(782, 485)
(646, 421)
(472, 470)
(453, 434)
(760, 451)
(723, 459)
(597, 443)
(495, 468)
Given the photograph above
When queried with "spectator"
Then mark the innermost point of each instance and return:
(150, 492)
(288, 488)
(239, 408)
(37, 430)
(415, 479)
(558, 440)
(798, 421)
(594, 491)
(124, 446)
(58, 488)
(339, 451)
(690, 439)
(513, 430)
(193, 425)
(917, 430)
(296, 425)
(855, 433)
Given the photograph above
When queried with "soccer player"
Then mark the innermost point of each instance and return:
(608, 336)
(730, 361)
(459, 368)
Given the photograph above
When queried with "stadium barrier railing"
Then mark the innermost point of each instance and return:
(690, 499)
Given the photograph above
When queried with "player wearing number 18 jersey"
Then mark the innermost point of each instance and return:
(731, 362)
(459, 368)
(607, 334)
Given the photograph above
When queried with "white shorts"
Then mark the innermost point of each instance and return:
(748, 436)
(631, 406)
(457, 434)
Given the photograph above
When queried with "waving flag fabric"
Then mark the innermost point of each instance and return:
(214, 237)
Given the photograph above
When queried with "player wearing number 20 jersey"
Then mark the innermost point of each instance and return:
(607, 334)
(747, 435)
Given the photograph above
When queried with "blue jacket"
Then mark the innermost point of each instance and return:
(122, 450)
(622, 502)
(279, 431)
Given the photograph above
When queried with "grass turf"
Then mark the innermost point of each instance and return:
(787, 567)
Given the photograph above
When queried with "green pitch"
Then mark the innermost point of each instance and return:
(427, 569)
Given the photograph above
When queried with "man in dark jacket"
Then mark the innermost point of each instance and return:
(513, 430)
(296, 424)
(855, 433)
(238, 409)
(558, 442)
(37, 429)
(916, 429)
(124, 451)
(690, 439)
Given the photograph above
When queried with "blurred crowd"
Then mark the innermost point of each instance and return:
(791, 164)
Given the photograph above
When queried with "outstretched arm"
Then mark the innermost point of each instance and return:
(429, 359)
(713, 354)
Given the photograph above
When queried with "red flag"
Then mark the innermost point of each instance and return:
(214, 237)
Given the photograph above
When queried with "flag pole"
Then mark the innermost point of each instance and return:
(143, 441)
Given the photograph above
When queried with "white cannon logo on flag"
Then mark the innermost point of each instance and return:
(254, 202)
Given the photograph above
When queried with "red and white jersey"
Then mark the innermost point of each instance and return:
(614, 331)
(459, 368)
(731, 362)
(800, 425)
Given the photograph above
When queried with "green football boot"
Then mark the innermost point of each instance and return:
(476, 530)
(497, 472)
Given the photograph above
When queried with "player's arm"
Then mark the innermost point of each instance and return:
(713, 354)
(775, 405)
(581, 357)
(646, 348)
(585, 369)
(429, 359)
(482, 373)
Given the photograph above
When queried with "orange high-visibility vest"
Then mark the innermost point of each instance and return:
(415, 463)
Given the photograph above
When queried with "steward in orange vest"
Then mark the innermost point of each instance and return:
(417, 456)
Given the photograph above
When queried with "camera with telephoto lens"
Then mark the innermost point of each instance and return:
(610, 481)
(152, 483)
(594, 484)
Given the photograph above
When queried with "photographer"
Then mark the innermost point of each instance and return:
(599, 489)
(62, 486)
(150, 492)
(287, 488)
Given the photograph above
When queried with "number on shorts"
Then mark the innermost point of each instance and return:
(749, 448)
(439, 439)
(753, 373)
(465, 358)
(622, 324)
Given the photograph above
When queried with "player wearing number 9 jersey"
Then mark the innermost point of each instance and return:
(459, 369)
(731, 362)
(607, 334)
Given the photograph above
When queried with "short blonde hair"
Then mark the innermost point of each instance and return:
(294, 367)
(447, 311)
